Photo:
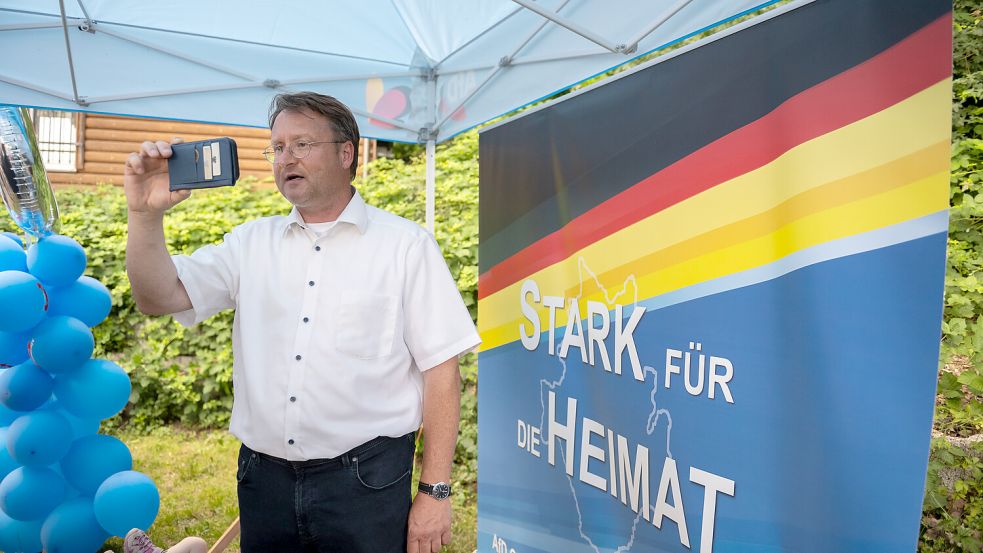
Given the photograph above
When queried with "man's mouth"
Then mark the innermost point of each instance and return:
(290, 177)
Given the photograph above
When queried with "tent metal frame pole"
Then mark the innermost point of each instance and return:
(506, 62)
(217, 38)
(313, 80)
(28, 26)
(632, 44)
(392, 122)
(198, 90)
(533, 34)
(664, 57)
(472, 94)
(431, 136)
(251, 79)
(35, 88)
(431, 184)
(570, 26)
(179, 55)
(478, 36)
(532, 60)
(68, 50)
(410, 30)
(253, 84)
(28, 12)
(174, 92)
(85, 12)
(249, 42)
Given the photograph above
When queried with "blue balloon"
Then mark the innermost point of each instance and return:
(23, 299)
(70, 492)
(92, 460)
(19, 537)
(73, 528)
(39, 438)
(97, 390)
(12, 256)
(61, 344)
(80, 427)
(86, 299)
(25, 387)
(126, 500)
(31, 493)
(56, 260)
(14, 237)
(13, 348)
(7, 463)
(7, 416)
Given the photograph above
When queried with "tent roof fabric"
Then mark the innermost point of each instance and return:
(411, 70)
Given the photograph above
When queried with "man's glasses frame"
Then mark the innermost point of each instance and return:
(299, 150)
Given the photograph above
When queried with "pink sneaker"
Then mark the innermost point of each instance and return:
(138, 542)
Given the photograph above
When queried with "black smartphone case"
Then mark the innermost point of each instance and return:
(203, 164)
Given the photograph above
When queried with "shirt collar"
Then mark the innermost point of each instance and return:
(355, 213)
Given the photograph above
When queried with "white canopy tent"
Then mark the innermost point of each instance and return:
(411, 70)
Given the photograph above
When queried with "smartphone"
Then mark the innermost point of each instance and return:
(203, 164)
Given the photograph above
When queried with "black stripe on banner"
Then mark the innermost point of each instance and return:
(542, 170)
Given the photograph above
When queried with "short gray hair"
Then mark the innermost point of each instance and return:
(337, 113)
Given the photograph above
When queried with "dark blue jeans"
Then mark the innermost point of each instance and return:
(358, 502)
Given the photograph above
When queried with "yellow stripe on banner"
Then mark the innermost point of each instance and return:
(901, 130)
(855, 187)
(922, 197)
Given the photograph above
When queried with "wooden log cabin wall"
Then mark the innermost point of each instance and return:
(89, 149)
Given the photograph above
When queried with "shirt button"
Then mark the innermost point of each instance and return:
(298, 358)
(310, 283)
(306, 320)
(293, 399)
(290, 441)
(317, 248)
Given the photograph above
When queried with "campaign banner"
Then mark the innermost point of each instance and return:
(710, 294)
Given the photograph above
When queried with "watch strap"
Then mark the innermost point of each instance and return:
(438, 491)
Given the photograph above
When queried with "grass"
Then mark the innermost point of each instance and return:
(195, 473)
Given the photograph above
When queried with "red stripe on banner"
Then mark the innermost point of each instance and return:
(913, 64)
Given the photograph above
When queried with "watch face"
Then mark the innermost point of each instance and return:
(441, 491)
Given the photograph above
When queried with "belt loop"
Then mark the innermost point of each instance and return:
(346, 460)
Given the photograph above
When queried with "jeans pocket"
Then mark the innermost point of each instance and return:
(247, 459)
(385, 465)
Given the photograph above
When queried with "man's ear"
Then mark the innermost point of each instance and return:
(347, 155)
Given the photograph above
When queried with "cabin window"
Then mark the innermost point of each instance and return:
(58, 138)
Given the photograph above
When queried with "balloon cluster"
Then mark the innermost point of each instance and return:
(63, 486)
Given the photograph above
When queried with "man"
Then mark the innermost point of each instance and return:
(347, 331)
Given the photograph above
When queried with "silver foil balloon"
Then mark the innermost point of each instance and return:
(24, 184)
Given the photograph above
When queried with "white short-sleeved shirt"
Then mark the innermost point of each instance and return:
(331, 333)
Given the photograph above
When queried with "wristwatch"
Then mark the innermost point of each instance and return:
(439, 491)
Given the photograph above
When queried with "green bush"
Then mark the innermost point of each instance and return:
(960, 412)
(952, 516)
(183, 375)
(398, 186)
(179, 375)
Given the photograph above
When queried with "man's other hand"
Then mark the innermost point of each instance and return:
(429, 525)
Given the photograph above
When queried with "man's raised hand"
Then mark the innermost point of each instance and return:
(146, 180)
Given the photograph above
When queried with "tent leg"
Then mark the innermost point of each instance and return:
(431, 181)
(230, 534)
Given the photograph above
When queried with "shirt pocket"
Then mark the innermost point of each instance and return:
(366, 325)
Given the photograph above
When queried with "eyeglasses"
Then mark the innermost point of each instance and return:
(298, 150)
